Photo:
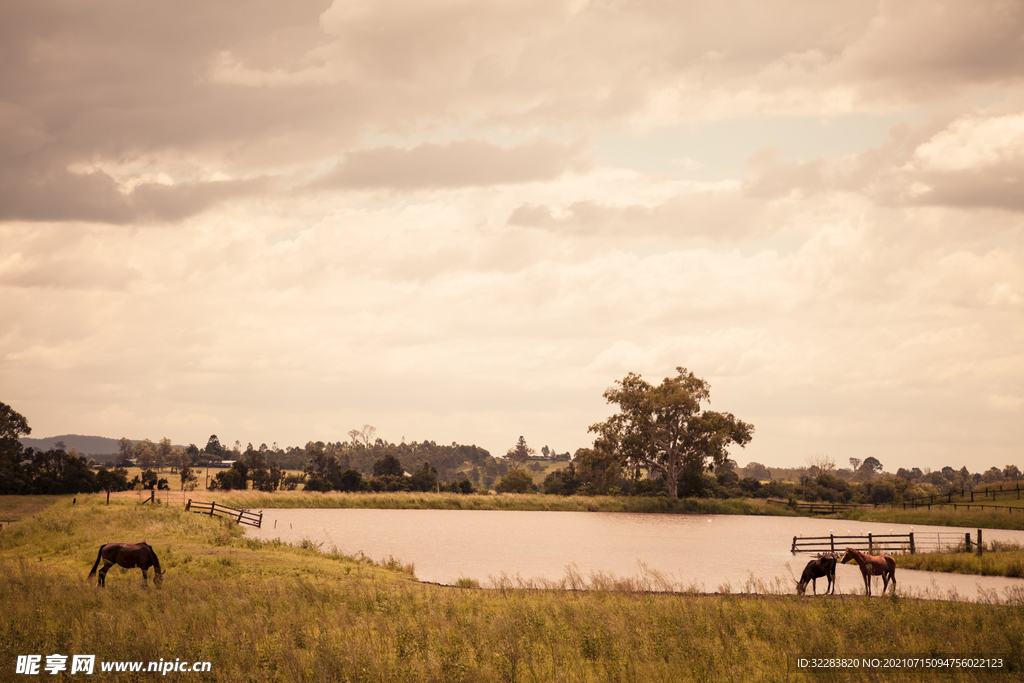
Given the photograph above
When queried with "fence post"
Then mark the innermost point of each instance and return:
(911, 542)
(188, 505)
(980, 546)
(871, 545)
(793, 549)
(832, 542)
(967, 541)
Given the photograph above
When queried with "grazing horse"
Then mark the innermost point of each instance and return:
(873, 565)
(128, 555)
(815, 569)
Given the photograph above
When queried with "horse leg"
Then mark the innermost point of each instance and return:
(814, 584)
(103, 574)
(145, 579)
(867, 584)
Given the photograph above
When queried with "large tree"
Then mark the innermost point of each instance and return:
(663, 428)
(13, 426)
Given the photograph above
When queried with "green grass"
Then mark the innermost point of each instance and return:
(998, 559)
(272, 612)
(939, 516)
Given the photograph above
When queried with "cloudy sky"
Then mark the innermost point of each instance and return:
(462, 221)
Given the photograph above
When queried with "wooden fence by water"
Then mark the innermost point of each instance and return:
(890, 544)
(241, 516)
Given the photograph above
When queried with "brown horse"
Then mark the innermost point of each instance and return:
(873, 565)
(128, 555)
(824, 566)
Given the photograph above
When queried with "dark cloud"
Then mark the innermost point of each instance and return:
(41, 190)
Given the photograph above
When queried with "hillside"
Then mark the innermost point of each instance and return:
(86, 445)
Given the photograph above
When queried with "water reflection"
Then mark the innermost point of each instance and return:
(705, 553)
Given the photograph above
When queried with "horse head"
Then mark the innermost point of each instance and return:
(158, 576)
(850, 554)
(801, 587)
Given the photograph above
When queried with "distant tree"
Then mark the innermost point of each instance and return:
(599, 469)
(756, 470)
(563, 482)
(1011, 473)
(819, 464)
(520, 453)
(662, 428)
(992, 475)
(351, 480)
(364, 436)
(124, 452)
(149, 480)
(189, 480)
(873, 463)
(259, 473)
(388, 466)
(424, 479)
(112, 480)
(276, 475)
(145, 454)
(516, 481)
(13, 426)
(214, 448)
(163, 453)
(855, 464)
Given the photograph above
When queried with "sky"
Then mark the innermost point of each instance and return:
(463, 221)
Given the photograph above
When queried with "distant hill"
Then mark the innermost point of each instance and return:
(86, 445)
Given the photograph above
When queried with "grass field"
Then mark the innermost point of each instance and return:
(269, 612)
(997, 560)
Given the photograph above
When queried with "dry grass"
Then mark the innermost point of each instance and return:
(272, 612)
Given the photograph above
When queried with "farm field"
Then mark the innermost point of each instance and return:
(271, 612)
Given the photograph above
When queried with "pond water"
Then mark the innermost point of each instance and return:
(706, 553)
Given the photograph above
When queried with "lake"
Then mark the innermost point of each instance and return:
(705, 553)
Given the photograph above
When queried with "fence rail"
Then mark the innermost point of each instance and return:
(820, 508)
(913, 542)
(241, 516)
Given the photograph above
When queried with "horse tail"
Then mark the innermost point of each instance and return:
(97, 563)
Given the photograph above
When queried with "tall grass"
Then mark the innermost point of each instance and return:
(998, 559)
(273, 612)
(508, 501)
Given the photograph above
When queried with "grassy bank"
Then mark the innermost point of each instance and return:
(939, 516)
(997, 560)
(509, 501)
(269, 612)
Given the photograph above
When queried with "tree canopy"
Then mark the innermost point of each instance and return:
(663, 428)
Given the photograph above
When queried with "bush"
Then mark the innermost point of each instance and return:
(516, 481)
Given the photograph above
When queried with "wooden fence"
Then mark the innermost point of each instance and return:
(819, 508)
(888, 544)
(241, 516)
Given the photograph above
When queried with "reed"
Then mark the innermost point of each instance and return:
(273, 612)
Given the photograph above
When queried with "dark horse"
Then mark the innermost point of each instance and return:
(128, 555)
(815, 569)
(873, 565)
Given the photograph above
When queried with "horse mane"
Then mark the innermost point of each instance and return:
(156, 562)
